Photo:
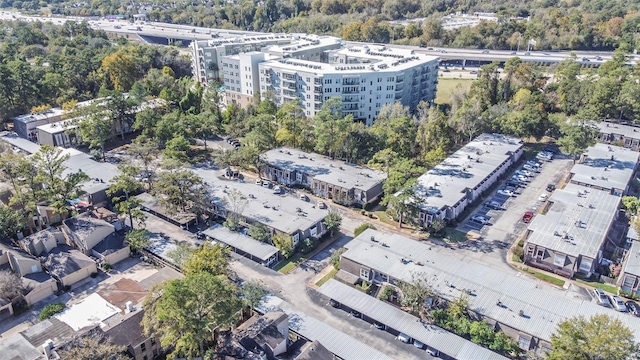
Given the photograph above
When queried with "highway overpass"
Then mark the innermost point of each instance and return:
(165, 33)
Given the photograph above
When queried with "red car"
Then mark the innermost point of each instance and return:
(527, 216)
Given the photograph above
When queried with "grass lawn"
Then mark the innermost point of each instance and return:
(446, 86)
(544, 277)
(452, 235)
(326, 278)
(287, 265)
(382, 216)
(606, 287)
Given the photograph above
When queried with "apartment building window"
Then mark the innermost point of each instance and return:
(585, 265)
(391, 78)
(377, 105)
(379, 88)
(143, 347)
(308, 113)
(308, 79)
(364, 273)
(390, 87)
(327, 90)
(308, 105)
(308, 88)
(524, 341)
(559, 260)
(379, 79)
(308, 97)
(298, 177)
(628, 282)
(327, 81)
(236, 67)
(389, 96)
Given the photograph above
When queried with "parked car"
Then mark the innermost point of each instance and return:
(304, 197)
(543, 197)
(535, 164)
(266, 184)
(418, 344)
(550, 149)
(334, 303)
(515, 182)
(277, 190)
(404, 338)
(544, 156)
(355, 313)
(550, 187)
(530, 168)
(380, 326)
(433, 352)
(618, 304)
(322, 205)
(524, 172)
(528, 215)
(259, 182)
(494, 205)
(522, 178)
(480, 219)
(506, 192)
(601, 297)
(633, 308)
(512, 53)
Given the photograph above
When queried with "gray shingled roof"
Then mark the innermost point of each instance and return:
(606, 166)
(242, 242)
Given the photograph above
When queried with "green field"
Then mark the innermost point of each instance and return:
(446, 87)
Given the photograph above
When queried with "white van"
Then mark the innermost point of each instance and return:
(404, 338)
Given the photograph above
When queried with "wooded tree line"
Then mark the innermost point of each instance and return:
(44, 65)
(590, 24)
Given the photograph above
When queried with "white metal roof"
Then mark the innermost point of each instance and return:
(577, 221)
(619, 129)
(323, 168)
(447, 182)
(632, 263)
(343, 345)
(242, 242)
(430, 335)
(273, 210)
(544, 306)
(606, 166)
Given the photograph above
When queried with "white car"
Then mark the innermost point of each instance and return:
(322, 205)
(618, 304)
(543, 197)
(259, 182)
(506, 192)
(418, 344)
(524, 172)
(480, 219)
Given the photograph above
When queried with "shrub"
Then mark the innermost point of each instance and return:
(386, 293)
(335, 257)
(363, 211)
(51, 310)
(360, 229)
(106, 266)
(308, 245)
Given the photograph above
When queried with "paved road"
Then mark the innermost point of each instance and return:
(506, 226)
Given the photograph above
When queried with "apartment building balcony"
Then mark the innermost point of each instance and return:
(288, 77)
(317, 81)
(351, 90)
(317, 98)
(399, 87)
(351, 106)
(398, 96)
(350, 99)
(399, 79)
(317, 89)
(350, 82)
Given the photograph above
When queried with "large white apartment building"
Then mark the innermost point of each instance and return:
(207, 56)
(366, 78)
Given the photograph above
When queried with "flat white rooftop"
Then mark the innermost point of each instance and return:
(324, 169)
(619, 129)
(577, 221)
(544, 306)
(273, 210)
(606, 166)
(446, 184)
(90, 311)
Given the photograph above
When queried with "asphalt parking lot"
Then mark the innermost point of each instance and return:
(506, 225)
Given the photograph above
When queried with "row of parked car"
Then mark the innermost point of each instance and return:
(401, 336)
(616, 303)
(234, 142)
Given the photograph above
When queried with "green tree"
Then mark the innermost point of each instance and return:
(122, 185)
(284, 243)
(213, 259)
(631, 203)
(179, 189)
(577, 136)
(95, 128)
(180, 253)
(413, 294)
(137, 239)
(235, 203)
(10, 285)
(177, 149)
(481, 333)
(120, 69)
(252, 293)
(459, 307)
(360, 229)
(11, 221)
(259, 232)
(403, 204)
(332, 221)
(599, 337)
(187, 313)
